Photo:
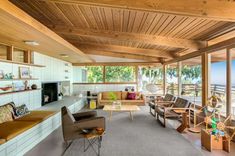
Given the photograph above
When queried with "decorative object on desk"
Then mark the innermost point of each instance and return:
(24, 72)
(26, 85)
(34, 86)
(60, 96)
(1, 74)
(132, 89)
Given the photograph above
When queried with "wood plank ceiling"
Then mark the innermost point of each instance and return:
(114, 31)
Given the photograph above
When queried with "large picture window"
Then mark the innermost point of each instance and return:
(217, 76)
(191, 80)
(120, 74)
(104, 74)
(172, 79)
(151, 75)
(88, 74)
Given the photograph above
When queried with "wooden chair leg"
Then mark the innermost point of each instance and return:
(164, 121)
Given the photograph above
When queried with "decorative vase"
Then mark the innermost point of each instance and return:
(34, 86)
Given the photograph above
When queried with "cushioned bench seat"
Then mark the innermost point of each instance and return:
(11, 129)
(36, 116)
(2, 141)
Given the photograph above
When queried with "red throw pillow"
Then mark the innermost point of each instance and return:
(131, 96)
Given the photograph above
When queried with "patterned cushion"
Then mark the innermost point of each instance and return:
(6, 113)
(20, 111)
(168, 97)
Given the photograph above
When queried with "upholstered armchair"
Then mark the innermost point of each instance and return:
(169, 112)
(168, 99)
(73, 124)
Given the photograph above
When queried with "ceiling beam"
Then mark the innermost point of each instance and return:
(123, 49)
(124, 36)
(118, 64)
(121, 55)
(209, 9)
(220, 31)
(10, 12)
(230, 43)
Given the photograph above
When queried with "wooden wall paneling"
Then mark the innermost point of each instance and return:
(10, 50)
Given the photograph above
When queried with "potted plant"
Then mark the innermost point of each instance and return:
(116, 104)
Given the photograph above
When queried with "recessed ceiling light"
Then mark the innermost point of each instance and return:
(33, 43)
(64, 55)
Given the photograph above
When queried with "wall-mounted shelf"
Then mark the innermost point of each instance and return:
(13, 92)
(19, 79)
(21, 63)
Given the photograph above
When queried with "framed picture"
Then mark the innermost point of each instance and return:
(1, 74)
(24, 72)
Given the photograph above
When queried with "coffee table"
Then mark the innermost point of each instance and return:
(123, 108)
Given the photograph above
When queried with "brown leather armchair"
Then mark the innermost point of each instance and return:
(73, 124)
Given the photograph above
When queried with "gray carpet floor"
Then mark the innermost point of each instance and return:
(143, 136)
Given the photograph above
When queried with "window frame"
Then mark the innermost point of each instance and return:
(104, 75)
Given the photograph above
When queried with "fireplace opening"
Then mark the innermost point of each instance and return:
(49, 93)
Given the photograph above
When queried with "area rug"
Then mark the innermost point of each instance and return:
(143, 136)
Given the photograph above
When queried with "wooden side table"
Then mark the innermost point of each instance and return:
(210, 142)
(185, 120)
(93, 138)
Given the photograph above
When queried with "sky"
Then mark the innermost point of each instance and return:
(218, 73)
